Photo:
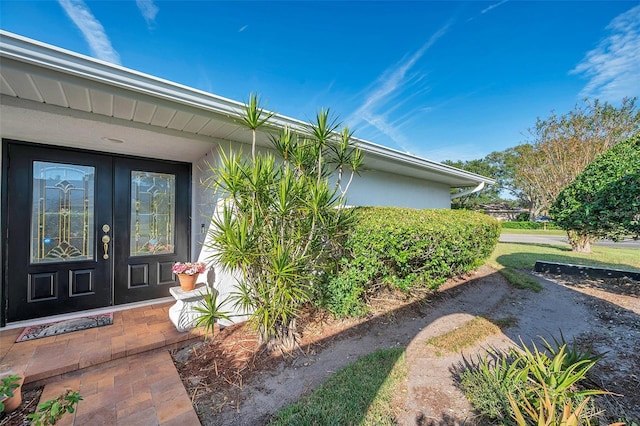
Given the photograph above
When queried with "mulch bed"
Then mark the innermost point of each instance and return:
(30, 398)
(214, 371)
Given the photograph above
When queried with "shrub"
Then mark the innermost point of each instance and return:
(604, 200)
(403, 248)
(281, 220)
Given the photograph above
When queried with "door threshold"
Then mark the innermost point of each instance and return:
(88, 312)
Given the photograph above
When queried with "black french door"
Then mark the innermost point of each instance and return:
(152, 204)
(86, 230)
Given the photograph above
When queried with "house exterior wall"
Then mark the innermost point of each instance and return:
(22, 120)
(375, 188)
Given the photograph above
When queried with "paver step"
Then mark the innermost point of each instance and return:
(123, 371)
(133, 332)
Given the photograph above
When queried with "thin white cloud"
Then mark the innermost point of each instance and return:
(149, 10)
(244, 27)
(378, 103)
(464, 152)
(493, 6)
(91, 29)
(204, 82)
(613, 67)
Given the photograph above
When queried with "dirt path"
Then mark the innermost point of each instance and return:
(430, 396)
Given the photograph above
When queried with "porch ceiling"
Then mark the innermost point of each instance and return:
(63, 87)
(50, 87)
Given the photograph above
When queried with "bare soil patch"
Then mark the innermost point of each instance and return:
(232, 381)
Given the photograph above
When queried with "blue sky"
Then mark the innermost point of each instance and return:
(443, 80)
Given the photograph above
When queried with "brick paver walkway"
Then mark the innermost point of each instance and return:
(123, 371)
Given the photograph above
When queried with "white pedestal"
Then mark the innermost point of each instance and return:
(183, 314)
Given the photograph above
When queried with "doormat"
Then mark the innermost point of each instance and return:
(67, 326)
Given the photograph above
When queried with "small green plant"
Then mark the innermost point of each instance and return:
(548, 413)
(527, 383)
(210, 312)
(573, 353)
(556, 376)
(8, 385)
(49, 412)
(489, 382)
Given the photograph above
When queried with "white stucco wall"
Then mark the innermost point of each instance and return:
(374, 188)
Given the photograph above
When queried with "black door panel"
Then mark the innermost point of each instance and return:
(57, 203)
(148, 243)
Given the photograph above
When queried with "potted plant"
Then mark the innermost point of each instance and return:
(188, 272)
(10, 392)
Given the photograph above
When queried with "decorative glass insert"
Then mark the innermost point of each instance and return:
(152, 213)
(62, 227)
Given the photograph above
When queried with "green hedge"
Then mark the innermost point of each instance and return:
(405, 248)
(527, 225)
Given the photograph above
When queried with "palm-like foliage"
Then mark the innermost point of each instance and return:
(210, 312)
(254, 117)
(281, 221)
(528, 386)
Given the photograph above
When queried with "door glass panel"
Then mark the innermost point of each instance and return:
(152, 213)
(62, 212)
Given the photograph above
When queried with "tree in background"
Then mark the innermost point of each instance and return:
(604, 200)
(501, 166)
(489, 195)
(560, 147)
(281, 220)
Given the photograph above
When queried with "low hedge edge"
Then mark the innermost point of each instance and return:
(406, 248)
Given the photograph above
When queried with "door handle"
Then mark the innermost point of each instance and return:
(105, 241)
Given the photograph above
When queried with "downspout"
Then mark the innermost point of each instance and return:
(478, 188)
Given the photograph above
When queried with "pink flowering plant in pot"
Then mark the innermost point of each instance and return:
(188, 273)
(189, 268)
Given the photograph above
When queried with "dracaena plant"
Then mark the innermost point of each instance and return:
(281, 220)
(527, 386)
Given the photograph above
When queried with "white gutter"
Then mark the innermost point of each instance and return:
(30, 51)
(469, 192)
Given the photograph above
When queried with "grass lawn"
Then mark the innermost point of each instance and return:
(524, 256)
(359, 394)
(469, 334)
(508, 258)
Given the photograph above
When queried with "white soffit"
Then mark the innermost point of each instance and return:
(46, 74)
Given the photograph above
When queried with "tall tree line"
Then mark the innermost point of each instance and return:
(553, 153)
